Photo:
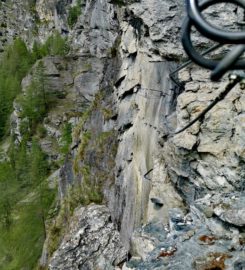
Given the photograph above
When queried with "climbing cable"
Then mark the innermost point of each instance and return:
(233, 60)
(234, 80)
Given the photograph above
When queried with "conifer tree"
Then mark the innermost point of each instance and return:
(36, 101)
(14, 65)
(22, 164)
(38, 173)
(39, 165)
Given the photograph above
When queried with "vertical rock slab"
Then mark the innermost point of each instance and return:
(92, 242)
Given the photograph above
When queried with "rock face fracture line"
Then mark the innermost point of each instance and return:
(189, 62)
(220, 97)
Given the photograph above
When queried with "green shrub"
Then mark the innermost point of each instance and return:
(41, 131)
(66, 138)
(74, 13)
(118, 2)
(55, 45)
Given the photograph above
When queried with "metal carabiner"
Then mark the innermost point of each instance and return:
(210, 31)
(232, 61)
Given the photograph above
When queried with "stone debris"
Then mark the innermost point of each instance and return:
(194, 245)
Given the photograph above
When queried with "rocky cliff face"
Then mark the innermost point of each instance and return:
(169, 197)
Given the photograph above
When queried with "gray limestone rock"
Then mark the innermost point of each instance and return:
(229, 207)
(191, 244)
(91, 243)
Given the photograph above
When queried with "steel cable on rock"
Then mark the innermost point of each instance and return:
(231, 61)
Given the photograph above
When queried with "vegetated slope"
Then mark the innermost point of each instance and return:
(26, 197)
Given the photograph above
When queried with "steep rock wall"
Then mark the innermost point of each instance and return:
(129, 50)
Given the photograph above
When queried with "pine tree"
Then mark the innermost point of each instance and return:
(38, 173)
(22, 164)
(39, 165)
(36, 51)
(36, 101)
(56, 45)
(6, 198)
(14, 65)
